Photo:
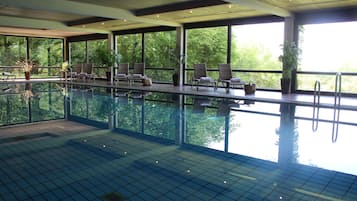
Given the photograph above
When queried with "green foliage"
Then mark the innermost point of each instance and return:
(46, 52)
(105, 57)
(158, 49)
(93, 47)
(290, 58)
(207, 45)
(129, 47)
(255, 57)
(78, 53)
(12, 49)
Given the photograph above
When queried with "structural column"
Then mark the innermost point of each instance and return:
(179, 51)
(111, 44)
(289, 36)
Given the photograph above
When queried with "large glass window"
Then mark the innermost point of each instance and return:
(78, 53)
(93, 47)
(12, 49)
(206, 45)
(129, 47)
(159, 53)
(257, 47)
(329, 47)
(46, 52)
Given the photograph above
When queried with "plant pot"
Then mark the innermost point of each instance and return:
(249, 88)
(109, 75)
(175, 79)
(285, 85)
(27, 75)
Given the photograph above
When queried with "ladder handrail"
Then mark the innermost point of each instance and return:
(316, 107)
(336, 107)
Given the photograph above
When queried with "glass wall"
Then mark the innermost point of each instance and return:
(328, 47)
(130, 48)
(13, 49)
(158, 49)
(86, 51)
(160, 54)
(78, 52)
(206, 45)
(46, 52)
(93, 47)
(254, 48)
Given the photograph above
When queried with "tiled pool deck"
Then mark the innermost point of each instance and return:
(346, 102)
(92, 164)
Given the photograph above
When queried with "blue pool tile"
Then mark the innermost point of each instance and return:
(79, 197)
(50, 196)
(88, 195)
(59, 193)
(69, 190)
(39, 198)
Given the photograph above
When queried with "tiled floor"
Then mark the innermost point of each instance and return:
(92, 164)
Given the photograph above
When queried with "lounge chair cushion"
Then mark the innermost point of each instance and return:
(208, 79)
(235, 79)
(137, 76)
(121, 75)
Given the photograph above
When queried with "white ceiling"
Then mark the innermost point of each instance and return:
(63, 18)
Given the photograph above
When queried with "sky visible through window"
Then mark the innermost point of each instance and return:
(267, 35)
(329, 47)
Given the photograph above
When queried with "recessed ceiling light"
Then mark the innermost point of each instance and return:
(102, 23)
(124, 20)
(191, 11)
(230, 6)
(157, 15)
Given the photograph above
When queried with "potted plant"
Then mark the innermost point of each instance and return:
(178, 59)
(106, 58)
(26, 67)
(290, 60)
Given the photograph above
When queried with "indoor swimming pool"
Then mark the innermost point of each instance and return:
(77, 142)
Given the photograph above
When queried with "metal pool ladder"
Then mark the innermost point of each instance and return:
(336, 107)
(316, 106)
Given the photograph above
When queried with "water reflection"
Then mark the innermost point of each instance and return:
(28, 94)
(30, 102)
(281, 133)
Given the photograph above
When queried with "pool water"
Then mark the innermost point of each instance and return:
(160, 146)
